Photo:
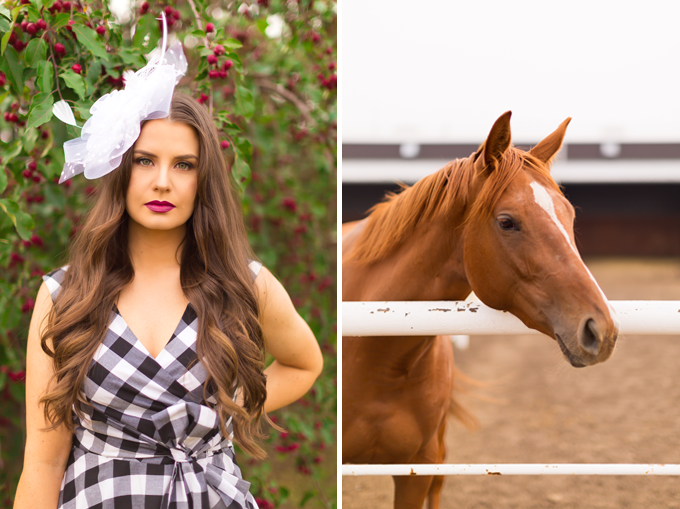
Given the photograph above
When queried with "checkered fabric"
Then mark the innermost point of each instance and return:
(147, 441)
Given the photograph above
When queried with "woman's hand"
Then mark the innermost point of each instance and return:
(289, 339)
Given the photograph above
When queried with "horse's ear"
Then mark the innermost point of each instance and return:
(498, 141)
(551, 144)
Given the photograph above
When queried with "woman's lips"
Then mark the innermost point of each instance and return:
(160, 206)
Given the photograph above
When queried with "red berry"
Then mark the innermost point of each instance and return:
(65, 6)
(41, 23)
(38, 199)
(329, 50)
(44, 135)
(101, 30)
(177, 15)
(19, 45)
(213, 74)
(225, 144)
(36, 178)
(56, 6)
(316, 38)
(37, 241)
(76, 68)
(60, 49)
(168, 10)
(228, 64)
(26, 173)
(6, 115)
(219, 50)
(29, 305)
(210, 27)
(3, 79)
(203, 98)
(24, 25)
(32, 166)
(13, 117)
(32, 28)
(212, 59)
(15, 106)
(331, 66)
(144, 8)
(223, 74)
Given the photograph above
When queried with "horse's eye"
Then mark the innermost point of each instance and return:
(507, 224)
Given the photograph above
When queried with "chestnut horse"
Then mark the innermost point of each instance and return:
(495, 223)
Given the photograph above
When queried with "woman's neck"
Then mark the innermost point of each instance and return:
(154, 251)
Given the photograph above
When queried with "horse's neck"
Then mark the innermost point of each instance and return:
(428, 266)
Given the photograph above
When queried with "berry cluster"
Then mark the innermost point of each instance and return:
(220, 71)
(31, 172)
(12, 116)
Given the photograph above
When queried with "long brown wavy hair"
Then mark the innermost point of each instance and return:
(214, 275)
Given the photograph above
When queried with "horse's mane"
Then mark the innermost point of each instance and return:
(391, 222)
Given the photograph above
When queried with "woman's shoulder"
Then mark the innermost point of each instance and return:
(54, 279)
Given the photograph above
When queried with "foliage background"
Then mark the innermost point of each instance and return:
(266, 70)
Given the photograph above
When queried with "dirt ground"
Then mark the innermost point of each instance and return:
(626, 410)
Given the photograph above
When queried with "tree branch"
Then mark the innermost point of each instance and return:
(288, 96)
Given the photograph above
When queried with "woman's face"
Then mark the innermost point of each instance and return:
(162, 190)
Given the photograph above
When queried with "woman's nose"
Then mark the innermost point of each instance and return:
(162, 177)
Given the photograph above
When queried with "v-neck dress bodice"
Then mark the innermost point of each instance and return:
(148, 439)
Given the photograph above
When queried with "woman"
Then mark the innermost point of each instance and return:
(160, 402)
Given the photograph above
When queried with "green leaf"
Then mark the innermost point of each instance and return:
(132, 58)
(35, 52)
(88, 38)
(28, 139)
(232, 43)
(55, 197)
(4, 11)
(262, 24)
(60, 20)
(14, 70)
(22, 221)
(32, 13)
(199, 34)
(5, 40)
(4, 24)
(3, 179)
(11, 154)
(245, 105)
(147, 33)
(45, 76)
(75, 82)
(240, 170)
(41, 110)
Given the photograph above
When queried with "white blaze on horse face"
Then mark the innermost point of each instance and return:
(545, 201)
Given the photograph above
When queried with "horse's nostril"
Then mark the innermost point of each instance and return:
(589, 337)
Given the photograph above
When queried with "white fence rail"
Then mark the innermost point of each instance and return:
(653, 317)
(514, 469)
(472, 318)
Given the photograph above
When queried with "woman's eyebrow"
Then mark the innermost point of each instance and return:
(186, 156)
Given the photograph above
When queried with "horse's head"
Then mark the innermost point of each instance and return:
(520, 255)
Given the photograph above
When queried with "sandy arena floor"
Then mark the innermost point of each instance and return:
(626, 410)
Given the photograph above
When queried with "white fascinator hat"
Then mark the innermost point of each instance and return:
(116, 118)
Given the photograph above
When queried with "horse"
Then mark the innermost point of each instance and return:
(495, 223)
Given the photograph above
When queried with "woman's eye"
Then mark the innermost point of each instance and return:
(184, 166)
(507, 224)
(143, 161)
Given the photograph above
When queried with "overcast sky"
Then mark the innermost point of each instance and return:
(443, 71)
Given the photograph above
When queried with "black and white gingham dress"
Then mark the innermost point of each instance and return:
(148, 441)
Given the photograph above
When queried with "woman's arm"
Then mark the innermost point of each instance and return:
(289, 339)
(46, 453)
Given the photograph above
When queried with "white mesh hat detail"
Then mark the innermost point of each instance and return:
(116, 117)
